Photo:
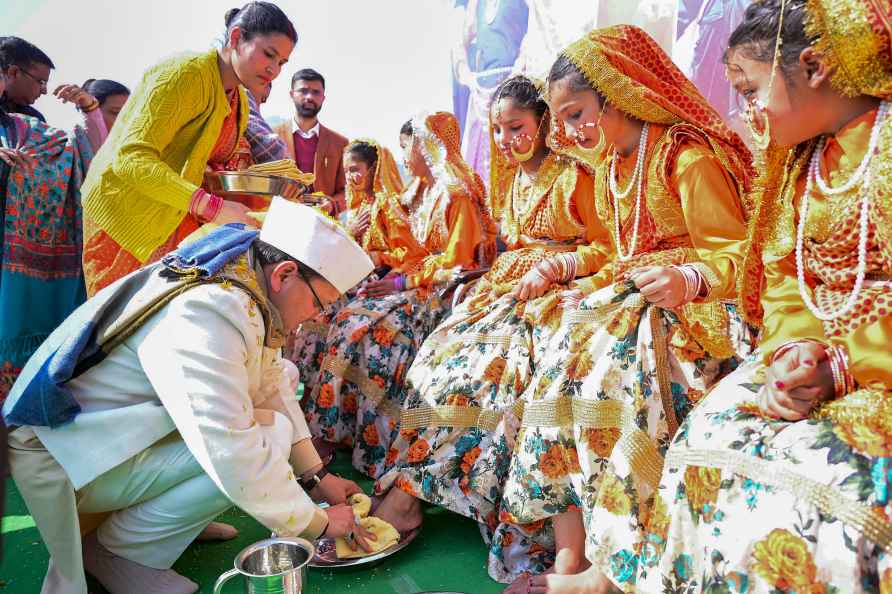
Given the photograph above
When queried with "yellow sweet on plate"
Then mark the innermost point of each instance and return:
(386, 534)
(362, 504)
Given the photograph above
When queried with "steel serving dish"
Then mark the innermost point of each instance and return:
(326, 556)
(240, 183)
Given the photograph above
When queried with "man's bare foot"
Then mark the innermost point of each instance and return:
(217, 531)
(401, 510)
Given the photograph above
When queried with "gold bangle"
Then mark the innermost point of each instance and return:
(92, 107)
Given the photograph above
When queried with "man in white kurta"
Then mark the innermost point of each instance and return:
(194, 412)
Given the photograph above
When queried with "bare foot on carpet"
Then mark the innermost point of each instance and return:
(401, 510)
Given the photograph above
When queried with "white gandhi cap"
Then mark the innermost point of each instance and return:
(315, 240)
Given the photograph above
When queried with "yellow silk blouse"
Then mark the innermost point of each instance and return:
(832, 230)
(691, 213)
(454, 230)
(389, 240)
(552, 213)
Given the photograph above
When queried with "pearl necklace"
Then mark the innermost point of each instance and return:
(861, 174)
(637, 177)
(865, 161)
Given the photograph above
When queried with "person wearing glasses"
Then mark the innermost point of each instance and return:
(27, 71)
(165, 400)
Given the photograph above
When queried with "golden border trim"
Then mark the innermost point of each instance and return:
(636, 445)
(825, 497)
(343, 369)
(661, 364)
(456, 416)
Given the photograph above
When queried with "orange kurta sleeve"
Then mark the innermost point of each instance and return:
(713, 216)
(465, 234)
(403, 249)
(786, 317)
(598, 250)
(592, 259)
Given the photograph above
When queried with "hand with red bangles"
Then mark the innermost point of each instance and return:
(550, 271)
(534, 283)
(798, 380)
(74, 94)
(234, 212)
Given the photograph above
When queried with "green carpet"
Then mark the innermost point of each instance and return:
(447, 555)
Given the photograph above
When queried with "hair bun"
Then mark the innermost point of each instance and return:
(230, 15)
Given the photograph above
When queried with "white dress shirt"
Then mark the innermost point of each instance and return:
(314, 131)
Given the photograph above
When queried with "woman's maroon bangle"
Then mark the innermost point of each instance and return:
(205, 206)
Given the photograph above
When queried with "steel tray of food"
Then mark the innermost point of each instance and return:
(326, 556)
(240, 183)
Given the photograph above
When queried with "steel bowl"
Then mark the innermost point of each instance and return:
(241, 183)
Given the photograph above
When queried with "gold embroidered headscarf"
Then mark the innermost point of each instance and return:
(854, 36)
(386, 177)
(439, 138)
(629, 68)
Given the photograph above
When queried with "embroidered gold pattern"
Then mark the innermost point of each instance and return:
(456, 416)
(661, 363)
(826, 498)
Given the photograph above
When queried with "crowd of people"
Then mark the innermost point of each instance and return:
(648, 357)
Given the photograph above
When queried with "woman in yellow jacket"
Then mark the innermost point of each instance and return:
(143, 195)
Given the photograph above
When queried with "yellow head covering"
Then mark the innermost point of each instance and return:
(386, 177)
(854, 36)
(439, 138)
(629, 68)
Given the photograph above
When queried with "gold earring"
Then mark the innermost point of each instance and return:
(762, 138)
